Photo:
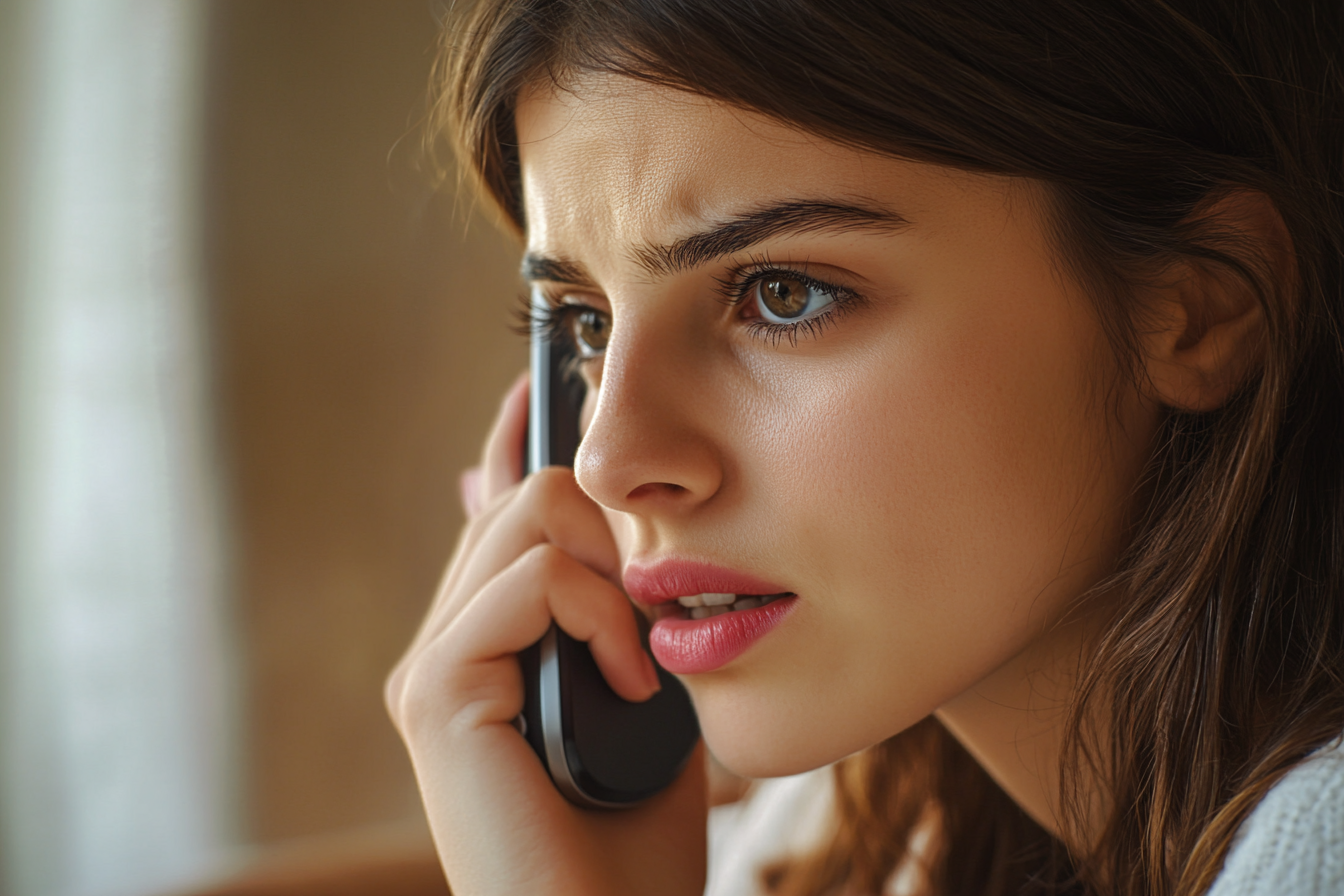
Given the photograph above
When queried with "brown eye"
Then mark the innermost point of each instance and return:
(782, 299)
(591, 329)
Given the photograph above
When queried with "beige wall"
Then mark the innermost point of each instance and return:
(361, 343)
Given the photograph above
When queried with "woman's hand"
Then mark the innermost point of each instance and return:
(532, 552)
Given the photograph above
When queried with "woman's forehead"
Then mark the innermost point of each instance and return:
(614, 144)
(610, 159)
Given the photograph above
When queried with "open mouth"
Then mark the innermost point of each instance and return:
(703, 606)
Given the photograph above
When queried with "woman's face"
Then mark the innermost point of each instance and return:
(817, 370)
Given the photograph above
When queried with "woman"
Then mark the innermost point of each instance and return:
(988, 354)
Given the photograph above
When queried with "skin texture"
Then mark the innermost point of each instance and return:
(939, 470)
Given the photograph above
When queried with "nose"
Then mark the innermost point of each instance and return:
(649, 448)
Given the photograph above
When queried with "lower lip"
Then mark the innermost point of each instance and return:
(692, 646)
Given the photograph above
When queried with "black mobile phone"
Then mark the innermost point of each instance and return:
(600, 750)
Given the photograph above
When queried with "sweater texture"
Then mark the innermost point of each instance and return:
(1292, 843)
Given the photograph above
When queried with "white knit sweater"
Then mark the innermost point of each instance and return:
(1292, 844)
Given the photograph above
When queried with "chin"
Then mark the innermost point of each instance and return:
(766, 744)
(752, 761)
(769, 732)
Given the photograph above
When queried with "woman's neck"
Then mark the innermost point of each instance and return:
(1014, 723)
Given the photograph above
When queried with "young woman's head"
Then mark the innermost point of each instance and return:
(1001, 340)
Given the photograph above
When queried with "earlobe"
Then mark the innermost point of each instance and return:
(1207, 330)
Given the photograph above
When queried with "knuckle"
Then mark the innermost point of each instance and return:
(546, 561)
(422, 693)
(551, 486)
(492, 503)
(409, 708)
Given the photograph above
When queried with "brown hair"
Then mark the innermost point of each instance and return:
(1225, 665)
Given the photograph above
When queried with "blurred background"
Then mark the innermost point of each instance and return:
(246, 347)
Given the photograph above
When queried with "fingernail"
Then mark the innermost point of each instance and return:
(651, 675)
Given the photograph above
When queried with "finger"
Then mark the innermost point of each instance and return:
(584, 605)
(448, 596)
(502, 463)
(470, 486)
(549, 507)
(434, 619)
(512, 612)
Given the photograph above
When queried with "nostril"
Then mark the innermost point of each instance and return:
(649, 489)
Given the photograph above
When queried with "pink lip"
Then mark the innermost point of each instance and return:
(692, 646)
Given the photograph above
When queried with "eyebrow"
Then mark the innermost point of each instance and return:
(739, 232)
(557, 270)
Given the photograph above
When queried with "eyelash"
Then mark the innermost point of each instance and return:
(735, 290)
(739, 285)
(554, 322)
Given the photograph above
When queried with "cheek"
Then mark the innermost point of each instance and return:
(957, 456)
(937, 498)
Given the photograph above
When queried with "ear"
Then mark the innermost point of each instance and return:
(1206, 333)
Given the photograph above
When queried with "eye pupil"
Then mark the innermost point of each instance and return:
(591, 331)
(784, 297)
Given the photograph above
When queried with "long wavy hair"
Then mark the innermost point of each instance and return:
(1225, 664)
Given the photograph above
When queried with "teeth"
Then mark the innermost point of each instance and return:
(707, 600)
(703, 606)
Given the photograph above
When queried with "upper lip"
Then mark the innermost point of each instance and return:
(668, 579)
